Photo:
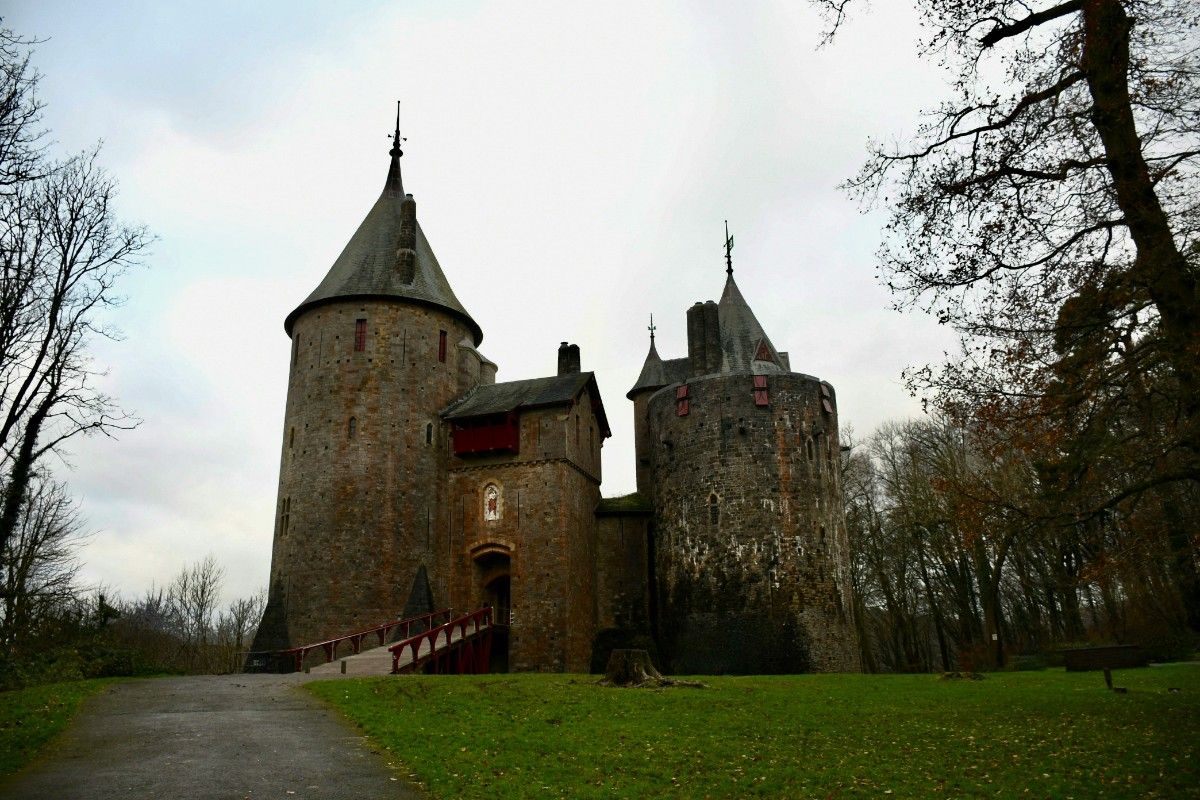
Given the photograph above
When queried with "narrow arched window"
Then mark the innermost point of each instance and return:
(429, 433)
(360, 335)
(292, 438)
(491, 502)
(809, 447)
(714, 510)
(352, 428)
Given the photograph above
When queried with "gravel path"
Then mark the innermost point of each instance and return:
(221, 737)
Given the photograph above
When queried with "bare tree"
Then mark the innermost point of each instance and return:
(192, 598)
(236, 627)
(61, 252)
(21, 134)
(1049, 210)
(39, 563)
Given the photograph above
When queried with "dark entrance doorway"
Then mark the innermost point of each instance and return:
(492, 570)
(499, 597)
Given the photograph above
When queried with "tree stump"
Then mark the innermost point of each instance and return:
(631, 668)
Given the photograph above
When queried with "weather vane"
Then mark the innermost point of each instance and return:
(652, 329)
(396, 137)
(728, 250)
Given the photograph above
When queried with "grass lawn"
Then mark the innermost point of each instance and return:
(30, 718)
(1048, 734)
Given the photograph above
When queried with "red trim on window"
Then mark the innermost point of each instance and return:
(442, 346)
(760, 391)
(360, 335)
(682, 403)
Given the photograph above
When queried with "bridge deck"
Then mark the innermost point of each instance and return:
(378, 660)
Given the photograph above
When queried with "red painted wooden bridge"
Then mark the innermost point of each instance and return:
(439, 642)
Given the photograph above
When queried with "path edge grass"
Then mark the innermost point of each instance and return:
(31, 719)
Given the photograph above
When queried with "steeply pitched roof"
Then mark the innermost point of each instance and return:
(367, 267)
(657, 373)
(743, 341)
(652, 375)
(500, 398)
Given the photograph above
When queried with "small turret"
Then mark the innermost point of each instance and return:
(652, 378)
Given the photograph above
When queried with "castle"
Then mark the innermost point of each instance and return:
(411, 480)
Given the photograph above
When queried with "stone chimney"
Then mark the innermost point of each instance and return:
(568, 358)
(704, 339)
(712, 339)
(697, 340)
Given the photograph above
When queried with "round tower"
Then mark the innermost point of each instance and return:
(751, 554)
(378, 349)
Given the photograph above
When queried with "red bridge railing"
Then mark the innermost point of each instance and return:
(355, 640)
(462, 645)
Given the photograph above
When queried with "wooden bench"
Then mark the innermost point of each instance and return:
(1119, 656)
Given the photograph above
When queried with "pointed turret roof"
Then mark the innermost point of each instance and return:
(368, 267)
(745, 347)
(653, 374)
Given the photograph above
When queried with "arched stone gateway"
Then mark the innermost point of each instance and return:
(493, 571)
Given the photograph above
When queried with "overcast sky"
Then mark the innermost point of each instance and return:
(572, 168)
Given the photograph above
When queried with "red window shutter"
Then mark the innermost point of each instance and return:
(442, 346)
(760, 391)
(682, 403)
(360, 335)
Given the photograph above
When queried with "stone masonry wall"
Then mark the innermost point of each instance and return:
(545, 527)
(622, 599)
(361, 504)
(751, 555)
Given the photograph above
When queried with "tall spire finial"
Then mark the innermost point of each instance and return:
(652, 329)
(393, 179)
(728, 251)
(396, 152)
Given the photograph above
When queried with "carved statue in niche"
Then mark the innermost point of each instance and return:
(491, 502)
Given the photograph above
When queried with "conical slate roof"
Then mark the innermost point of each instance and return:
(745, 347)
(368, 266)
(653, 374)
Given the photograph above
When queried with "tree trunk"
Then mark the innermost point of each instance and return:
(631, 668)
(1159, 265)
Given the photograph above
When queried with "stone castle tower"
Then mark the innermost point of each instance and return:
(411, 480)
(378, 348)
(739, 458)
